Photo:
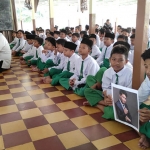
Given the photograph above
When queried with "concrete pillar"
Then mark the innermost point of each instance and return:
(141, 39)
(51, 14)
(33, 15)
(92, 16)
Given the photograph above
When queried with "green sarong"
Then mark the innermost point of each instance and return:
(61, 78)
(106, 63)
(93, 96)
(108, 112)
(41, 65)
(27, 58)
(145, 128)
(49, 63)
(80, 91)
(11, 46)
(33, 62)
(53, 71)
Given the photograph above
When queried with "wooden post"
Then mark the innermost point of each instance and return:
(141, 39)
(51, 14)
(33, 15)
(92, 16)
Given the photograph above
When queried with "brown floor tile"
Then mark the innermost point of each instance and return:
(35, 76)
(2, 83)
(63, 126)
(21, 75)
(39, 82)
(117, 147)
(88, 146)
(95, 132)
(49, 109)
(8, 73)
(10, 117)
(2, 92)
(98, 117)
(7, 102)
(1, 77)
(34, 87)
(14, 86)
(80, 102)
(35, 122)
(126, 136)
(39, 96)
(20, 94)
(51, 143)
(75, 112)
(60, 99)
(67, 92)
(11, 79)
(50, 89)
(0, 131)
(25, 106)
(17, 138)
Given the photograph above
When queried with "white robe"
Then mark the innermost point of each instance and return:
(30, 52)
(5, 52)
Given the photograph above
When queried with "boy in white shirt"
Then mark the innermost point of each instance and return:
(103, 59)
(95, 50)
(37, 53)
(97, 38)
(69, 66)
(144, 93)
(126, 32)
(131, 56)
(63, 34)
(56, 35)
(84, 66)
(15, 39)
(101, 36)
(75, 40)
(20, 43)
(82, 33)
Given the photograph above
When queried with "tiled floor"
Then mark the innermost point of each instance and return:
(35, 116)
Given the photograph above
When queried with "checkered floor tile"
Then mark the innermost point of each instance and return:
(37, 116)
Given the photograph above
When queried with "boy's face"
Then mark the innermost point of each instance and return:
(29, 41)
(81, 35)
(67, 52)
(36, 44)
(70, 35)
(49, 45)
(48, 35)
(147, 67)
(20, 34)
(118, 61)
(74, 38)
(62, 35)
(56, 36)
(123, 98)
(24, 36)
(14, 34)
(60, 48)
(108, 41)
(101, 36)
(94, 40)
(120, 39)
(132, 41)
(125, 33)
(76, 30)
(84, 49)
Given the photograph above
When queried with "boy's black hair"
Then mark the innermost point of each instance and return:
(61, 42)
(51, 40)
(63, 31)
(125, 30)
(76, 34)
(39, 40)
(33, 32)
(83, 32)
(132, 36)
(120, 49)
(123, 92)
(87, 27)
(69, 33)
(102, 31)
(123, 37)
(119, 26)
(20, 31)
(96, 31)
(129, 29)
(133, 30)
(146, 54)
(77, 27)
(72, 28)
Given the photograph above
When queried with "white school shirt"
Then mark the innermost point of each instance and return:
(95, 51)
(52, 56)
(27, 46)
(39, 52)
(67, 39)
(78, 44)
(43, 36)
(30, 52)
(129, 65)
(15, 40)
(131, 56)
(101, 44)
(72, 60)
(57, 38)
(144, 90)
(90, 67)
(62, 63)
(97, 41)
(18, 46)
(107, 55)
(129, 40)
(124, 78)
